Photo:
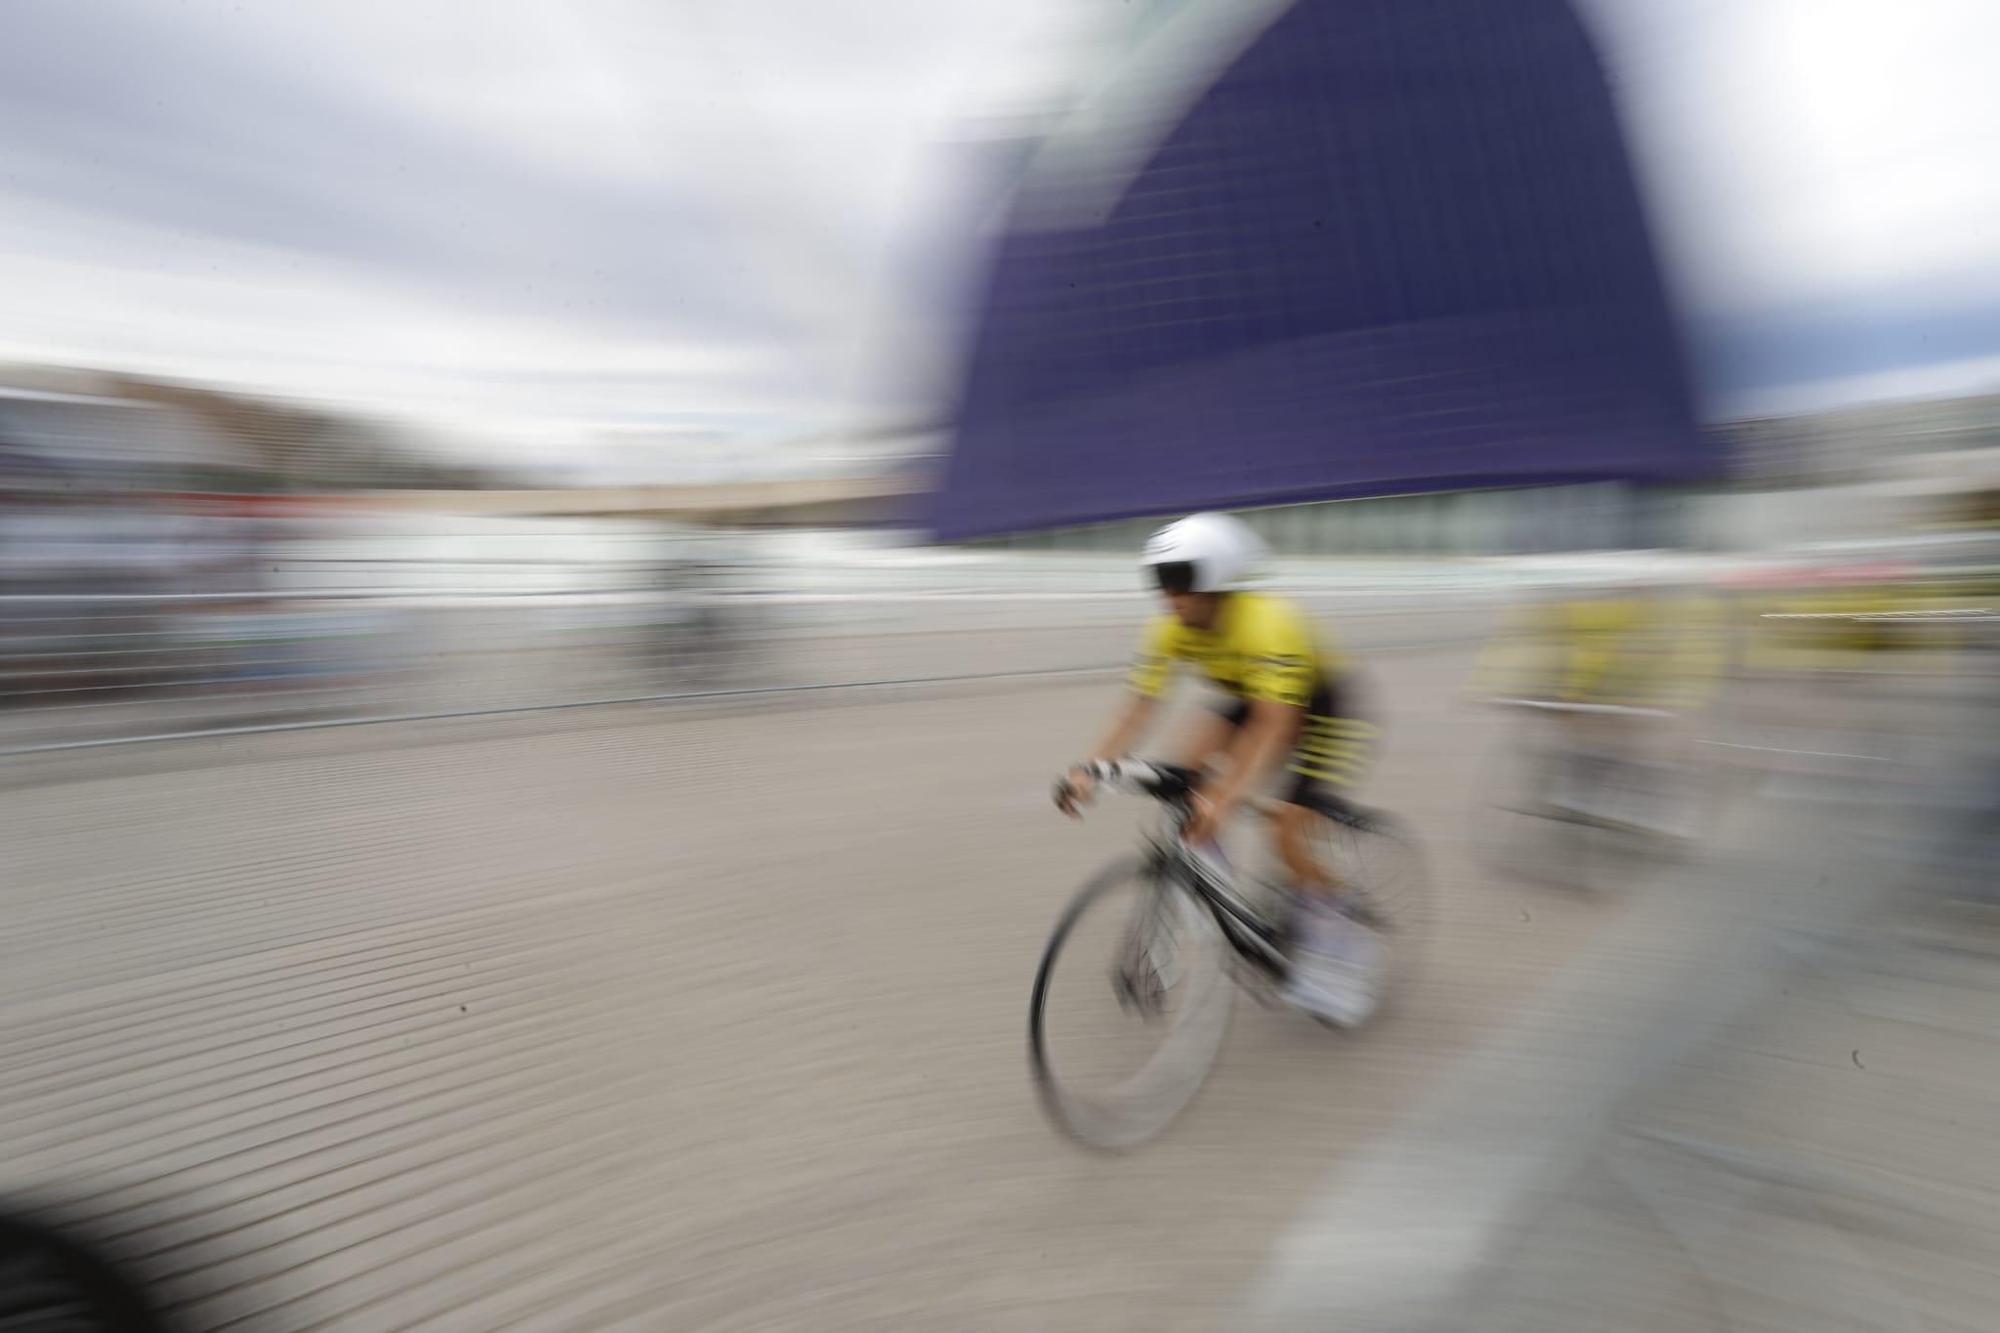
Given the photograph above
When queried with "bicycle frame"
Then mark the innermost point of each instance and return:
(1256, 941)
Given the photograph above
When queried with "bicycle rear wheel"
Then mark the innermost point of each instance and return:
(1122, 1036)
(1379, 863)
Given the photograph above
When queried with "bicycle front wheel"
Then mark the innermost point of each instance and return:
(1123, 1033)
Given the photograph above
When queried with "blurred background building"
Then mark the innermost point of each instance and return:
(130, 433)
(1335, 251)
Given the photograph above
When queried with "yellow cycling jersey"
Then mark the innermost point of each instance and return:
(1261, 647)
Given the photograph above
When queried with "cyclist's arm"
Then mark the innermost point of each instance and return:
(1144, 685)
(1266, 734)
(1128, 724)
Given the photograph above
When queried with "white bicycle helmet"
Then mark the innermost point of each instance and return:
(1219, 553)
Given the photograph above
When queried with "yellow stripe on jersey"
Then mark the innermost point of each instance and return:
(1334, 749)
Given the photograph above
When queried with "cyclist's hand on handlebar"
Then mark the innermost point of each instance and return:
(1074, 790)
(1204, 820)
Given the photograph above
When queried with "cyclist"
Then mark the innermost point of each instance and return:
(1290, 696)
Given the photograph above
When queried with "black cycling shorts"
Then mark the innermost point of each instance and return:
(1334, 748)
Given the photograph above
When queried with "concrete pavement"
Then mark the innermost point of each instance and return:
(655, 1021)
(647, 1019)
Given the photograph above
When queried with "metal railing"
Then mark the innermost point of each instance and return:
(91, 669)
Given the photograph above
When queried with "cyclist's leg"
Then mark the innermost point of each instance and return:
(1332, 755)
(1339, 962)
(1290, 830)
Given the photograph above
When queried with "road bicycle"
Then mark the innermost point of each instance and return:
(1180, 932)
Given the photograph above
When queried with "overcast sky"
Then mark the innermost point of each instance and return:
(1823, 175)
(729, 220)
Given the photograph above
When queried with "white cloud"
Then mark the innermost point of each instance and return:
(603, 211)
(1799, 150)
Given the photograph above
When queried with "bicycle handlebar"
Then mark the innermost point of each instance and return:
(1166, 781)
(1171, 783)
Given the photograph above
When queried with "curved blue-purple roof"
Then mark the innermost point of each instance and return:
(1395, 246)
